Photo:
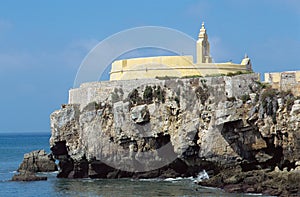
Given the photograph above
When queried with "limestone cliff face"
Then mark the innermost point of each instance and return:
(174, 127)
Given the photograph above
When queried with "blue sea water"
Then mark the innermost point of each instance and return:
(14, 146)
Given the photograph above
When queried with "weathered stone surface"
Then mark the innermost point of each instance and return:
(257, 181)
(296, 108)
(140, 114)
(28, 176)
(37, 161)
(187, 125)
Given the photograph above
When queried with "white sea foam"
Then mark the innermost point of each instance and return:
(47, 173)
(201, 176)
(173, 179)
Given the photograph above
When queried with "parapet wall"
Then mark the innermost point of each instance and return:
(284, 81)
(102, 91)
(172, 66)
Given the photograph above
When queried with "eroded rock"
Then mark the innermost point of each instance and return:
(140, 114)
(33, 162)
(203, 122)
(28, 176)
(37, 161)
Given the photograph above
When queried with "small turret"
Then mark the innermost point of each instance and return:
(246, 61)
(203, 49)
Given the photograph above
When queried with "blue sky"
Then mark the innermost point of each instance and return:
(42, 43)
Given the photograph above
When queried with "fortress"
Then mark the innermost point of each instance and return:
(177, 66)
(285, 81)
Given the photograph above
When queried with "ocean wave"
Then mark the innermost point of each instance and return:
(179, 179)
(176, 179)
(47, 173)
(173, 179)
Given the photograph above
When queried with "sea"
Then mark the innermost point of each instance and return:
(13, 146)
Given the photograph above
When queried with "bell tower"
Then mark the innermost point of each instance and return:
(203, 49)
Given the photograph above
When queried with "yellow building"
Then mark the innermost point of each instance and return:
(176, 66)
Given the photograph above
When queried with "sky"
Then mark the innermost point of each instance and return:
(42, 43)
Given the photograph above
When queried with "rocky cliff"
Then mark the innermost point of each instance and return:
(175, 127)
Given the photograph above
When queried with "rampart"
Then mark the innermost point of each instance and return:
(176, 66)
(100, 91)
(285, 81)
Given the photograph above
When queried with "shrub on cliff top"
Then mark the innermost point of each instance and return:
(215, 75)
(148, 94)
(203, 82)
(268, 93)
(238, 73)
(159, 94)
(191, 76)
(134, 97)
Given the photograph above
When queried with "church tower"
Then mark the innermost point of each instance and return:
(203, 50)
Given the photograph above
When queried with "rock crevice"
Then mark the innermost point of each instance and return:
(176, 127)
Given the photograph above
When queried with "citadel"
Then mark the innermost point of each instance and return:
(177, 66)
(203, 65)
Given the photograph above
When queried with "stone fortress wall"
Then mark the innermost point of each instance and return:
(173, 66)
(284, 81)
(89, 92)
